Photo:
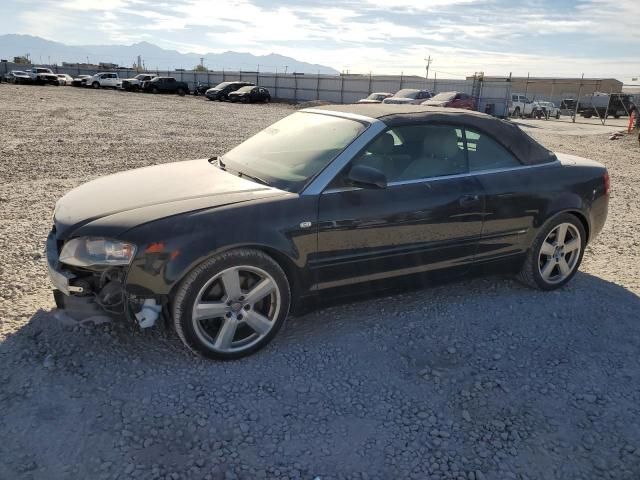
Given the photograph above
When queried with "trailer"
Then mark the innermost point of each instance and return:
(604, 105)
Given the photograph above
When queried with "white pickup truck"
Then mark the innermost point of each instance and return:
(103, 80)
(520, 106)
(40, 75)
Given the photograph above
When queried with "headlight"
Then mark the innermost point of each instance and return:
(88, 251)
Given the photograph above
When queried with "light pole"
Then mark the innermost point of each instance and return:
(428, 60)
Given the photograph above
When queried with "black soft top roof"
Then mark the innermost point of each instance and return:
(525, 148)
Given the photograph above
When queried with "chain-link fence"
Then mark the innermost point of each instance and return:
(536, 97)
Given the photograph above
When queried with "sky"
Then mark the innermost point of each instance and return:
(540, 37)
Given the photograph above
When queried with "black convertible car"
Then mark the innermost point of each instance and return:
(325, 200)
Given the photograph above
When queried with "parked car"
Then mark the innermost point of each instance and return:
(165, 85)
(222, 90)
(201, 88)
(103, 80)
(521, 106)
(18, 77)
(452, 100)
(250, 94)
(80, 81)
(43, 76)
(135, 83)
(321, 203)
(64, 79)
(376, 97)
(546, 109)
(408, 96)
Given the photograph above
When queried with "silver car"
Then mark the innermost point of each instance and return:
(409, 96)
(376, 97)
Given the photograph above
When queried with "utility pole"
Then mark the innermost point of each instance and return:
(202, 61)
(428, 60)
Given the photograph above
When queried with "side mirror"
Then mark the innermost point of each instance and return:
(366, 177)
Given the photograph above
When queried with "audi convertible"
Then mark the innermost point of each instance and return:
(329, 201)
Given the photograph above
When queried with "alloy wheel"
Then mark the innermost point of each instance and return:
(236, 309)
(559, 253)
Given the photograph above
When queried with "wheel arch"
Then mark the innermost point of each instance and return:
(583, 219)
(288, 265)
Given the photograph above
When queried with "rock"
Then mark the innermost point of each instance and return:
(466, 415)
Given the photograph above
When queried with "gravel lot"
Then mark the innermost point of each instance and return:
(482, 379)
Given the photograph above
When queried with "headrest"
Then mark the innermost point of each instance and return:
(441, 142)
(382, 145)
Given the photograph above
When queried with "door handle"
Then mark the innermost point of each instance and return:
(468, 200)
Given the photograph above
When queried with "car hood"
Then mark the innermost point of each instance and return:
(111, 205)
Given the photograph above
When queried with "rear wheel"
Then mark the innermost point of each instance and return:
(556, 253)
(180, 92)
(516, 112)
(232, 305)
(155, 90)
(95, 85)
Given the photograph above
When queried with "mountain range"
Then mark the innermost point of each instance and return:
(44, 51)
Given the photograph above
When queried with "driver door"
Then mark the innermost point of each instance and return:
(429, 217)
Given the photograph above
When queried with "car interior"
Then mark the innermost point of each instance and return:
(424, 151)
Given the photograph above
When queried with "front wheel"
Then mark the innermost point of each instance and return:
(180, 92)
(556, 253)
(95, 85)
(232, 305)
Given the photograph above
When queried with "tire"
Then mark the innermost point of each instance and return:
(226, 332)
(155, 90)
(267, 99)
(516, 112)
(180, 92)
(95, 85)
(543, 270)
(557, 115)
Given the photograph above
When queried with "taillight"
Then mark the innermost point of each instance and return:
(607, 183)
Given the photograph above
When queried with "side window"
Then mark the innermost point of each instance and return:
(433, 151)
(413, 152)
(485, 153)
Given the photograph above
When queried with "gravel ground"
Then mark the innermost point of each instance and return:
(482, 379)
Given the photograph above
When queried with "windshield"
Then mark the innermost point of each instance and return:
(222, 85)
(407, 93)
(444, 96)
(289, 152)
(244, 89)
(142, 76)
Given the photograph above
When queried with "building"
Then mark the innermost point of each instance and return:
(555, 89)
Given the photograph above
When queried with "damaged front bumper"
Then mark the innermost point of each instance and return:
(92, 298)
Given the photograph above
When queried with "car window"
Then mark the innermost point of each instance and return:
(291, 151)
(485, 153)
(171, 80)
(412, 153)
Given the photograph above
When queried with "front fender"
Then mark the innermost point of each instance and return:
(170, 248)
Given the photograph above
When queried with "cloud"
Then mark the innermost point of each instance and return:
(544, 37)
